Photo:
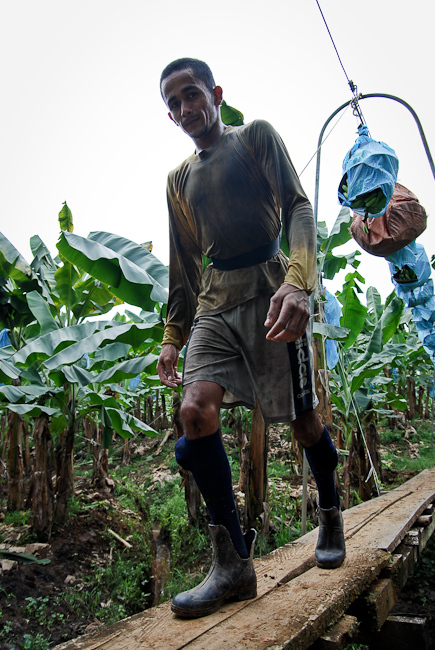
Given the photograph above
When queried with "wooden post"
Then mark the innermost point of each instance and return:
(257, 511)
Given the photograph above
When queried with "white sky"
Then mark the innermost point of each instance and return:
(82, 119)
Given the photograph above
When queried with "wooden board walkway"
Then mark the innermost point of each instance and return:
(299, 604)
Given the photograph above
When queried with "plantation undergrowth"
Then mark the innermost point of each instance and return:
(128, 545)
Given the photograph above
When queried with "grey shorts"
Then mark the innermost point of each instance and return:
(231, 350)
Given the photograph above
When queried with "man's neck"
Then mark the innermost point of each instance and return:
(208, 140)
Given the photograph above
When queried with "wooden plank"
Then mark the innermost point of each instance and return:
(373, 608)
(295, 614)
(287, 572)
(402, 633)
(339, 635)
(401, 510)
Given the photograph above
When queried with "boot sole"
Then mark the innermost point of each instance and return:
(329, 565)
(186, 613)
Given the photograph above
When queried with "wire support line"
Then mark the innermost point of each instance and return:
(355, 104)
(351, 84)
(324, 140)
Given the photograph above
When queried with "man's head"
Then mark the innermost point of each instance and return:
(188, 89)
(200, 69)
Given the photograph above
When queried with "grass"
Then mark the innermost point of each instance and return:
(410, 451)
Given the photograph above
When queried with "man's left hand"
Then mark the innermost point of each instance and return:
(288, 314)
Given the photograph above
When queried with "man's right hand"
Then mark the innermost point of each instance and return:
(167, 366)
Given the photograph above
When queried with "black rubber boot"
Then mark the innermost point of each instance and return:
(230, 577)
(330, 549)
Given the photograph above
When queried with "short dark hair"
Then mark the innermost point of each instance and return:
(200, 69)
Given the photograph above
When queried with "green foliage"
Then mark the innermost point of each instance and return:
(37, 609)
(328, 263)
(231, 116)
(38, 642)
(284, 515)
(131, 272)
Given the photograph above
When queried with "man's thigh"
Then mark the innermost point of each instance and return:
(213, 354)
(231, 350)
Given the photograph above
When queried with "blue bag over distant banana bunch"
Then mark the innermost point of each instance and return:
(369, 176)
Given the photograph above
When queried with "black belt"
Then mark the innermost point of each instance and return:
(257, 256)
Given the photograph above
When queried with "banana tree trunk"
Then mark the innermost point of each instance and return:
(426, 403)
(101, 459)
(42, 492)
(15, 462)
(322, 374)
(412, 402)
(64, 474)
(421, 391)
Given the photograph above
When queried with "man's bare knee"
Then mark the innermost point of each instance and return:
(200, 409)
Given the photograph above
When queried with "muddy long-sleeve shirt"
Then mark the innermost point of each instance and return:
(226, 201)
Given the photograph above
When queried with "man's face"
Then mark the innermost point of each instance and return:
(192, 106)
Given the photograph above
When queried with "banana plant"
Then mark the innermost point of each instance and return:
(329, 263)
(65, 362)
(358, 379)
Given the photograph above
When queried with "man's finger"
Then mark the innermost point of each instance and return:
(273, 313)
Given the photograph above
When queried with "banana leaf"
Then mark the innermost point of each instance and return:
(123, 370)
(132, 334)
(371, 368)
(129, 278)
(49, 344)
(231, 116)
(23, 558)
(33, 410)
(340, 231)
(12, 263)
(66, 218)
(41, 311)
(330, 331)
(353, 313)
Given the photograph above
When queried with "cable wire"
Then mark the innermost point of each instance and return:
(324, 139)
(355, 104)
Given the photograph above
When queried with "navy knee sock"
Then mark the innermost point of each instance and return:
(208, 462)
(323, 458)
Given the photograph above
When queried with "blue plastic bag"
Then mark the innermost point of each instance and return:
(367, 166)
(134, 382)
(4, 338)
(424, 315)
(417, 296)
(411, 258)
(332, 316)
(428, 341)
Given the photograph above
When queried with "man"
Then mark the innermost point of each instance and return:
(244, 317)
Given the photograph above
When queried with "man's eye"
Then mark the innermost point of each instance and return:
(173, 106)
(192, 95)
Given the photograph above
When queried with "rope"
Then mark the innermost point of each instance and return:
(354, 103)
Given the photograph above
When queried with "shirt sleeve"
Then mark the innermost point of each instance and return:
(185, 270)
(296, 210)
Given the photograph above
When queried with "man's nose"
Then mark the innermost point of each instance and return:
(185, 108)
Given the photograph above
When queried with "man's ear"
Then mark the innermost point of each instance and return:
(171, 118)
(218, 95)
